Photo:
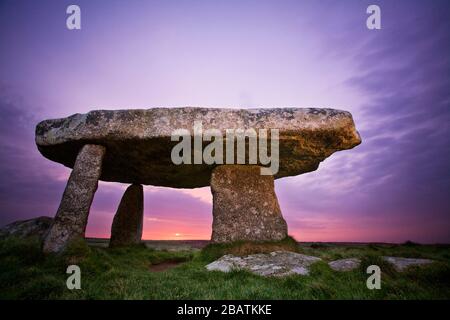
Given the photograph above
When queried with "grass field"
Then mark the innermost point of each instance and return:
(126, 273)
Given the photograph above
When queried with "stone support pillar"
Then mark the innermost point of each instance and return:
(127, 224)
(72, 215)
(245, 206)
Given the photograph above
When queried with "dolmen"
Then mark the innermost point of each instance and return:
(237, 152)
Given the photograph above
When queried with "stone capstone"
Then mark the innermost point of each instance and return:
(127, 224)
(277, 263)
(245, 206)
(139, 141)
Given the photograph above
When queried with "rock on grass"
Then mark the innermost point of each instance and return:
(277, 263)
(401, 264)
(345, 264)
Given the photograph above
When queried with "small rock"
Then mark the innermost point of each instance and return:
(401, 264)
(27, 228)
(345, 264)
(277, 263)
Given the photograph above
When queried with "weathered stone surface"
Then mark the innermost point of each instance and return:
(36, 227)
(278, 263)
(72, 215)
(245, 206)
(401, 264)
(127, 224)
(139, 144)
(347, 264)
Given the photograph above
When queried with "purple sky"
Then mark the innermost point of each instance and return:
(394, 187)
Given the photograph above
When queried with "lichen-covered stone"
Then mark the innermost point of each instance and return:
(36, 227)
(139, 141)
(401, 264)
(346, 264)
(72, 215)
(127, 224)
(245, 206)
(277, 263)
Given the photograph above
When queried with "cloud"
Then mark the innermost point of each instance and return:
(28, 183)
(401, 169)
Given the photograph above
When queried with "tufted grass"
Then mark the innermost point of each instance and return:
(124, 273)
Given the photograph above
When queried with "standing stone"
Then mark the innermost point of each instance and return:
(127, 224)
(245, 206)
(72, 215)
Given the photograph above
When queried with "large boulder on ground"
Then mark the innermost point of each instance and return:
(277, 263)
(36, 227)
(139, 145)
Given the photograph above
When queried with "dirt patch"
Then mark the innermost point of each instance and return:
(163, 266)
